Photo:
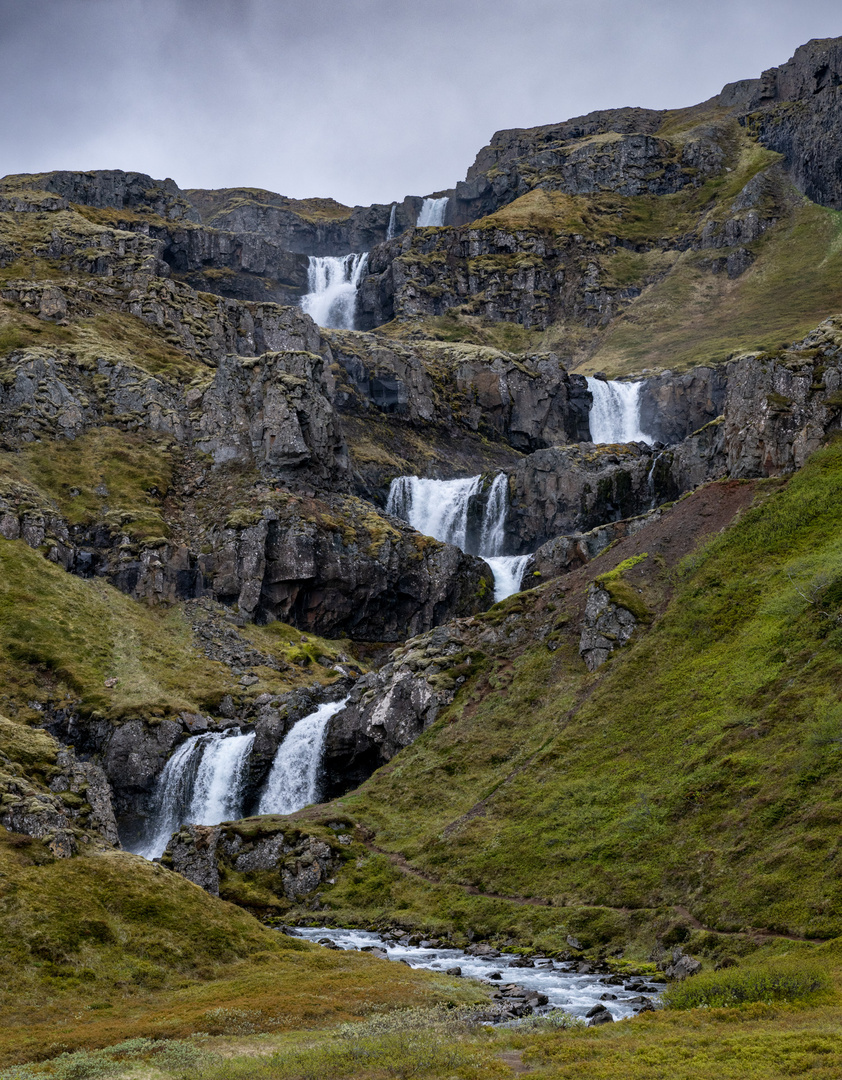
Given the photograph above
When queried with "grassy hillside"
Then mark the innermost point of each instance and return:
(102, 948)
(62, 637)
(696, 772)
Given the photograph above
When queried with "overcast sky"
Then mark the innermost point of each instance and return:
(362, 100)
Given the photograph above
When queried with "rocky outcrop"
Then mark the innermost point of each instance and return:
(274, 413)
(389, 708)
(794, 109)
(245, 266)
(673, 406)
(133, 755)
(451, 409)
(118, 190)
(606, 626)
(532, 276)
(92, 806)
(291, 864)
(49, 794)
(572, 489)
(568, 157)
(565, 553)
(309, 226)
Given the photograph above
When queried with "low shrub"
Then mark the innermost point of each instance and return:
(740, 986)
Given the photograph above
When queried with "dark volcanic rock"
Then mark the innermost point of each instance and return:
(795, 110)
(293, 865)
(389, 708)
(575, 488)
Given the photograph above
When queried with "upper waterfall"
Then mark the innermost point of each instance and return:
(294, 780)
(615, 413)
(202, 783)
(456, 512)
(333, 281)
(390, 231)
(432, 212)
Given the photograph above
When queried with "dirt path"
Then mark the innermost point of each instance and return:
(406, 867)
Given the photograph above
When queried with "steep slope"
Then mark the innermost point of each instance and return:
(696, 770)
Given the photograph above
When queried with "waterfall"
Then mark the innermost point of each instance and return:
(508, 573)
(615, 413)
(294, 777)
(493, 535)
(202, 783)
(432, 212)
(390, 232)
(437, 508)
(333, 281)
(441, 509)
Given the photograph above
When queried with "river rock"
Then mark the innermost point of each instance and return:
(682, 966)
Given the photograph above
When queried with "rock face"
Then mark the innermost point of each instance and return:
(389, 708)
(606, 627)
(572, 489)
(274, 413)
(295, 863)
(794, 109)
(445, 410)
(673, 406)
(48, 794)
(532, 276)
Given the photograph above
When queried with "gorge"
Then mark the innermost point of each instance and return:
(464, 567)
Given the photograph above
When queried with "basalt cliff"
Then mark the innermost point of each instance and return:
(208, 532)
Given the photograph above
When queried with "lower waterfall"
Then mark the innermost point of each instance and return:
(432, 212)
(448, 510)
(615, 413)
(333, 281)
(202, 783)
(294, 778)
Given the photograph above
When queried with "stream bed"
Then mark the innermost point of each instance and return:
(560, 982)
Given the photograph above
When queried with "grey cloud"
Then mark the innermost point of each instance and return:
(364, 100)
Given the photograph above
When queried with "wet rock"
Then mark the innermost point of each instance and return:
(598, 1015)
(456, 972)
(572, 489)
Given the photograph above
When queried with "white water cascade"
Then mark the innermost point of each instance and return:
(441, 509)
(437, 508)
(333, 281)
(615, 413)
(432, 212)
(391, 230)
(202, 783)
(294, 778)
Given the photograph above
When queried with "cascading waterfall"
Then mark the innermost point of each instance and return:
(333, 281)
(390, 231)
(615, 413)
(432, 212)
(441, 509)
(437, 508)
(294, 778)
(202, 783)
